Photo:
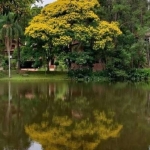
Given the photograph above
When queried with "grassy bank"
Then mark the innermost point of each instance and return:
(58, 75)
(31, 75)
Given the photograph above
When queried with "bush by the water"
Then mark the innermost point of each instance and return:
(138, 75)
(86, 74)
(80, 73)
(112, 75)
(131, 75)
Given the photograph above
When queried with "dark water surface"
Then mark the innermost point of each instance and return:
(74, 116)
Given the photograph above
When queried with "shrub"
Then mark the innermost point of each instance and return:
(80, 73)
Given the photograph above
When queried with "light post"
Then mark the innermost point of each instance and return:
(9, 60)
(9, 64)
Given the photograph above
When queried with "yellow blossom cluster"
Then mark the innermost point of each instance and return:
(67, 6)
(38, 31)
(62, 121)
(64, 21)
(62, 40)
(106, 33)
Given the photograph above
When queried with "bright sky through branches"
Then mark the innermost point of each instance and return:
(45, 2)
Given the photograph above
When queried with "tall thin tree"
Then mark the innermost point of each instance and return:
(10, 30)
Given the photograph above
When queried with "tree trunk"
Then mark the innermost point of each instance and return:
(148, 54)
(18, 51)
(48, 64)
(8, 43)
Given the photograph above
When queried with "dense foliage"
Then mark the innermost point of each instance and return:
(132, 50)
(16, 6)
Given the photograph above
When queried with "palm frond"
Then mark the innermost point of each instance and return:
(10, 29)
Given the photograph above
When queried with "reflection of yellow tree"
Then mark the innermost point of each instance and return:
(64, 133)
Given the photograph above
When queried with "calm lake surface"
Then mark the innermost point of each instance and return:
(74, 116)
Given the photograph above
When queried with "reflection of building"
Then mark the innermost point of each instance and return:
(52, 89)
(29, 95)
(77, 114)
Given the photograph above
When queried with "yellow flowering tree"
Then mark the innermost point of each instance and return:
(65, 22)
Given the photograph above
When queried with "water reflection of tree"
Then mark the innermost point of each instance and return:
(71, 124)
(128, 101)
(77, 102)
(64, 133)
(73, 103)
(12, 135)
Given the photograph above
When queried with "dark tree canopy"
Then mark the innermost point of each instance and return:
(17, 6)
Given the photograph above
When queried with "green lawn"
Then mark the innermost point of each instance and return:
(41, 75)
(34, 75)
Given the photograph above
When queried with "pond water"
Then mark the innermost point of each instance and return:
(74, 116)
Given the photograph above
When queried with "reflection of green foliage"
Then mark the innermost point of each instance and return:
(12, 134)
(81, 104)
(61, 92)
(64, 133)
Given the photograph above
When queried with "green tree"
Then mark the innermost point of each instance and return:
(130, 49)
(62, 23)
(10, 30)
(15, 6)
(33, 51)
